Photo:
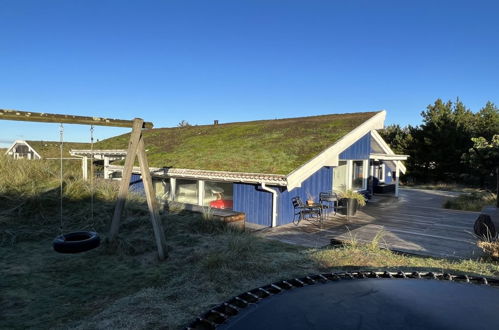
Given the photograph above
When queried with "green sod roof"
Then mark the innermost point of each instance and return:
(51, 149)
(266, 146)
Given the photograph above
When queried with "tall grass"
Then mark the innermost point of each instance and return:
(473, 201)
(123, 285)
(30, 198)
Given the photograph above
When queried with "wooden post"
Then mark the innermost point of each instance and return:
(397, 179)
(372, 168)
(106, 167)
(200, 192)
(126, 176)
(135, 143)
(84, 167)
(173, 187)
(136, 148)
(159, 233)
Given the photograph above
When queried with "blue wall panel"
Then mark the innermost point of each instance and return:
(136, 184)
(320, 181)
(255, 203)
(359, 150)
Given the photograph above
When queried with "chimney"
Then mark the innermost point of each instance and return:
(215, 122)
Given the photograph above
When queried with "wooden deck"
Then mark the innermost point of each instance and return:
(414, 223)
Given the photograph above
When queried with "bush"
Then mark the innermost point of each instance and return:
(491, 249)
(474, 201)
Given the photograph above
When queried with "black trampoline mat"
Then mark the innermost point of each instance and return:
(375, 304)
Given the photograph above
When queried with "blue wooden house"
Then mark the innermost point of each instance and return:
(258, 167)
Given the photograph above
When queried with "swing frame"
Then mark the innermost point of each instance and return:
(136, 148)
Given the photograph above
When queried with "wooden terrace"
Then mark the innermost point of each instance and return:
(414, 223)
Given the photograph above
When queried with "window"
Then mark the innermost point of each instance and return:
(186, 191)
(218, 194)
(340, 176)
(381, 173)
(162, 188)
(358, 175)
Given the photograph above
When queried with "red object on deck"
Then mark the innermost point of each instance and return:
(222, 204)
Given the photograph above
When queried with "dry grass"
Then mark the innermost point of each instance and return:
(443, 186)
(474, 201)
(490, 248)
(123, 286)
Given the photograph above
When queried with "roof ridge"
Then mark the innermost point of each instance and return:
(271, 120)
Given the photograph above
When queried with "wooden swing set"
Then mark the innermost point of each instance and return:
(136, 148)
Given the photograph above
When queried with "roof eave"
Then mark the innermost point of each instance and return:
(386, 148)
(243, 177)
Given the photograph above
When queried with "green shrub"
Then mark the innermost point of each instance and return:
(353, 195)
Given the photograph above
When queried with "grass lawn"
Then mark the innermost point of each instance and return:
(126, 287)
(123, 285)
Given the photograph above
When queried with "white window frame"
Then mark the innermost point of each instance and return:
(173, 188)
(200, 192)
(365, 173)
(381, 178)
(347, 175)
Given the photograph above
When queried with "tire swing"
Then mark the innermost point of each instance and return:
(79, 241)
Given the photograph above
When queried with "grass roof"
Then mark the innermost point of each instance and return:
(267, 146)
(50, 149)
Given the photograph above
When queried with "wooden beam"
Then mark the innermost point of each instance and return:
(127, 175)
(66, 119)
(159, 233)
(136, 148)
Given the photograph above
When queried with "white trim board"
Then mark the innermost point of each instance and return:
(22, 142)
(379, 140)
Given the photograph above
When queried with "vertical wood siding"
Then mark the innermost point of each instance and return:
(359, 150)
(255, 203)
(136, 184)
(320, 181)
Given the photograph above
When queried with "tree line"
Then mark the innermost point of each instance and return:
(453, 144)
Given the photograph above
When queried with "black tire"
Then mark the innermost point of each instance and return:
(76, 242)
(485, 228)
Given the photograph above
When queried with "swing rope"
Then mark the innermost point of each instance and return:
(79, 241)
(61, 178)
(92, 175)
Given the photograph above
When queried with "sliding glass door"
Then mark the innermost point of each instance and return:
(350, 174)
(358, 175)
(340, 175)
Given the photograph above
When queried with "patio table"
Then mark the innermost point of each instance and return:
(316, 206)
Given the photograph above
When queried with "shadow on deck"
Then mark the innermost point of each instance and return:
(414, 223)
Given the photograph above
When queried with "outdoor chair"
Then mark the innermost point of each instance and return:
(329, 200)
(301, 210)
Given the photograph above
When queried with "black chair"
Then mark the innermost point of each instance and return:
(329, 200)
(303, 210)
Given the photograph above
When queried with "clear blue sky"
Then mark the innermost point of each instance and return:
(240, 60)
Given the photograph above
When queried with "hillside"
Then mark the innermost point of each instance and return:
(267, 146)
